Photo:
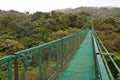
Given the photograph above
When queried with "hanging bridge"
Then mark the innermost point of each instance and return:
(78, 56)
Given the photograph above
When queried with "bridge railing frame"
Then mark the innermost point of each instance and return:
(67, 46)
(101, 45)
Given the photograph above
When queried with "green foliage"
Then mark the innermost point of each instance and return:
(10, 46)
(72, 18)
(111, 20)
(36, 15)
(118, 29)
(118, 77)
(61, 33)
(3, 75)
(4, 21)
(20, 31)
(108, 30)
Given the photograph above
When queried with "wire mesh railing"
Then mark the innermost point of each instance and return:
(42, 62)
(102, 49)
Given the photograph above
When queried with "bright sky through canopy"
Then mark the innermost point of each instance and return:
(48, 5)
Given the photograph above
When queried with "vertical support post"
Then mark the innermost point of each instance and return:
(97, 70)
(58, 57)
(25, 66)
(16, 69)
(61, 52)
(40, 63)
(10, 69)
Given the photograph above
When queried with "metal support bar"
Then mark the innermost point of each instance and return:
(16, 69)
(114, 63)
(104, 74)
(40, 64)
(10, 70)
(105, 62)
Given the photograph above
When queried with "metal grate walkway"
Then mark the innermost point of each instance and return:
(82, 65)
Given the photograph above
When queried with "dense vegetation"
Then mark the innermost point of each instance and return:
(20, 31)
(97, 12)
(109, 31)
(23, 30)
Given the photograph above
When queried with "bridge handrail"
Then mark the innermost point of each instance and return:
(24, 53)
(105, 62)
(46, 44)
(114, 63)
(9, 60)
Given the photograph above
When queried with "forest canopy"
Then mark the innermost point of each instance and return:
(23, 30)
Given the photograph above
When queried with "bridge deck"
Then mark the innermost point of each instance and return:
(82, 65)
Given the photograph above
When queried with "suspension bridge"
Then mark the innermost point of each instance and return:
(78, 56)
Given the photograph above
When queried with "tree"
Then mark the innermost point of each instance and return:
(36, 16)
(117, 43)
(41, 34)
(111, 20)
(72, 19)
(4, 21)
(10, 46)
(82, 19)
